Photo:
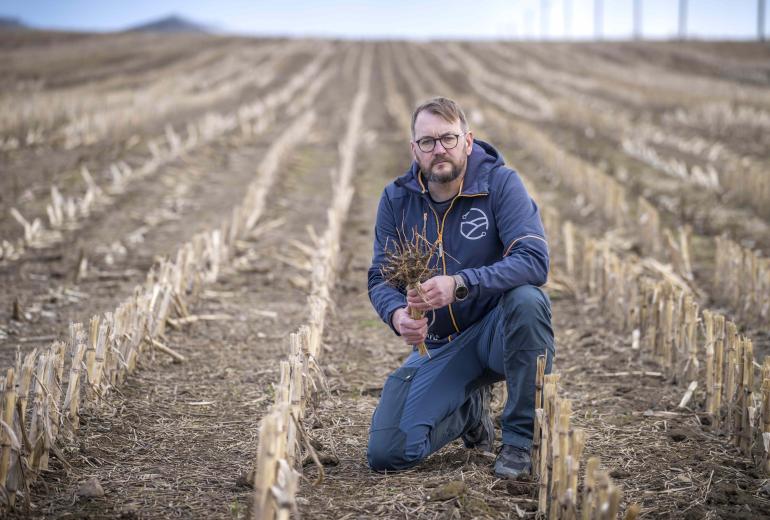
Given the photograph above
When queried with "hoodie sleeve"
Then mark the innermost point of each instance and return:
(525, 259)
(384, 297)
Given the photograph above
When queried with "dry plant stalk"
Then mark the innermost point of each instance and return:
(25, 369)
(9, 406)
(93, 335)
(601, 497)
(77, 349)
(668, 339)
(569, 500)
(552, 409)
(708, 334)
(719, 357)
(589, 488)
(765, 407)
(407, 265)
(690, 333)
(738, 394)
(268, 452)
(547, 428)
(54, 381)
(561, 458)
(95, 379)
(746, 394)
(569, 248)
(542, 499)
(540, 374)
(37, 434)
(633, 511)
(731, 346)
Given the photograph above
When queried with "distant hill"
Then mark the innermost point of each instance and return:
(11, 23)
(170, 24)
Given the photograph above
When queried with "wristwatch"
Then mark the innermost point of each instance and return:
(461, 290)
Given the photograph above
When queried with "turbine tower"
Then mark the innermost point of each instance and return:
(682, 19)
(598, 18)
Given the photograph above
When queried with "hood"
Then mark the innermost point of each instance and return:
(482, 160)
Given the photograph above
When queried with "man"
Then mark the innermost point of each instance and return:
(486, 320)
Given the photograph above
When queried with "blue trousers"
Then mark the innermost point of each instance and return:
(430, 401)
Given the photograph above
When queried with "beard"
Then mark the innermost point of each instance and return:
(443, 177)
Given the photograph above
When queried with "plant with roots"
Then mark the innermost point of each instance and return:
(407, 265)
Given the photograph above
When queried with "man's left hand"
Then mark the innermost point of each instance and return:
(434, 293)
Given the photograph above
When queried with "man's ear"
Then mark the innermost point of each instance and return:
(469, 142)
(414, 151)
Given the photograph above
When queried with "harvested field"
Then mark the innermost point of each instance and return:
(212, 201)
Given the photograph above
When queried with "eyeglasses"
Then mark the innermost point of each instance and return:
(448, 141)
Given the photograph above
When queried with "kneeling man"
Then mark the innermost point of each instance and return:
(487, 319)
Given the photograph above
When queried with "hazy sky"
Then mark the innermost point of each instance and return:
(399, 18)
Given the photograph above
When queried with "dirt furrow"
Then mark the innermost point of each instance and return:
(662, 456)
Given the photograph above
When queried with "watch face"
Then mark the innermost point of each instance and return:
(461, 292)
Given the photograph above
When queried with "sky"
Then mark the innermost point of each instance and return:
(403, 18)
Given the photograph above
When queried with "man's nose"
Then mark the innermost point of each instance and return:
(437, 144)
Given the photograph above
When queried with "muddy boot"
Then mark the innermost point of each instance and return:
(482, 436)
(513, 462)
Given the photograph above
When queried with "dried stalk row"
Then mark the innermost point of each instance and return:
(580, 104)
(648, 300)
(280, 432)
(72, 117)
(102, 356)
(742, 278)
(610, 196)
(69, 213)
(585, 104)
(518, 98)
(556, 462)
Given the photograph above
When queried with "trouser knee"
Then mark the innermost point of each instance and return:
(527, 318)
(526, 301)
(386, 451)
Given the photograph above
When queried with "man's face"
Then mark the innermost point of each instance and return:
(440, 165)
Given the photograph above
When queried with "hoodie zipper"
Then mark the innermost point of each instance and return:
(440, 229)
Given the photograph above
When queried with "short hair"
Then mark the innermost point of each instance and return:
(443, 107)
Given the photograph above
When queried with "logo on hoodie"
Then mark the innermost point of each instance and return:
(474, 224)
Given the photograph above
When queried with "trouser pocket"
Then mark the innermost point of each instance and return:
(386, 440)
(394, 393)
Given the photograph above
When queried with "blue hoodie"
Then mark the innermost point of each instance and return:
(491, 234)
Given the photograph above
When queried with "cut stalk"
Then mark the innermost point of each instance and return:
(9, 406)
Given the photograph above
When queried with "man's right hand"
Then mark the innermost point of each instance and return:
(414, 332)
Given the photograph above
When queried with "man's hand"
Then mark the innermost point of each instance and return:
(434, 293)
(414, 332)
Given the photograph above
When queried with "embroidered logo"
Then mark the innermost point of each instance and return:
(474, 224)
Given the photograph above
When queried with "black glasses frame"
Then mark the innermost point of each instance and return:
(441, 138)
